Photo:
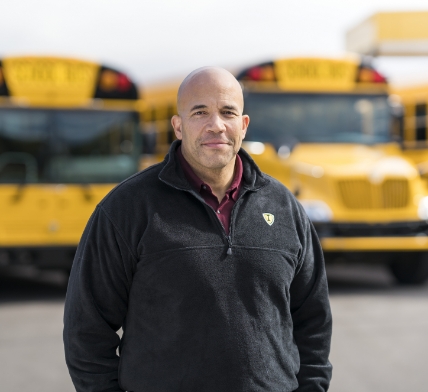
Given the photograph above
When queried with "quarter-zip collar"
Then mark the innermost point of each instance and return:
(172, 173)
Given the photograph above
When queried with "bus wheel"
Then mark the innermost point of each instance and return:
(410, 268)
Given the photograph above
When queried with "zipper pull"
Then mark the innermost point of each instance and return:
(229, 250)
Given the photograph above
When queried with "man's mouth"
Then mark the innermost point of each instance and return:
(216, 143)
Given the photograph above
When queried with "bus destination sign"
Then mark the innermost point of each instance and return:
(50, 78)
(316, 74)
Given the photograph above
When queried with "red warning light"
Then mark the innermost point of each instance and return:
(255, 73)
(123, 83)
(378, 78)
(260, 73)
(369, 75)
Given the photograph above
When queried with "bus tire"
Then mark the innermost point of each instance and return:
(410, 268)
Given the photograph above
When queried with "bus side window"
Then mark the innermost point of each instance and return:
(421, 121)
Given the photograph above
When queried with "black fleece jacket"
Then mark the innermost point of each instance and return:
(200, 311)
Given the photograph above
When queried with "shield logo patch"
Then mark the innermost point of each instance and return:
(269, 218)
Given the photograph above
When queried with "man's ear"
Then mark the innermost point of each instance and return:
(245, 123)
(176, 124)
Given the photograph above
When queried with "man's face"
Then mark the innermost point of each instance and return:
(210, 121)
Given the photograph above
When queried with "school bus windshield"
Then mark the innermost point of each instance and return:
(288, 119)
(66, 146)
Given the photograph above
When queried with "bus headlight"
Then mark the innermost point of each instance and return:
(255, 148)
(423, 208)
(317, 210)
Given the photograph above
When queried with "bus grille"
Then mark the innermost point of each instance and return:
(361, 194)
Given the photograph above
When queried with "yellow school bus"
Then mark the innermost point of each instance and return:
(69, 131)
(414, 133)
(158, 106)
(329, 130)
(402, 33)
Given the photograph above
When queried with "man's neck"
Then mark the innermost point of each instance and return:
(219, 180)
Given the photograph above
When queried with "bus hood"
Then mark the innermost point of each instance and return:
(348, 182)
(345, 160)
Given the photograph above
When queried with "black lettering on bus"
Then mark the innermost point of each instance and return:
(20, 71)
(336, 71)
(303, 71)
(43, 72)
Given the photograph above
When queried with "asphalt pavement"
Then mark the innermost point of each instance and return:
(380, 338)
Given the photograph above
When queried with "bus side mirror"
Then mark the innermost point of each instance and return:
(149, 135)
(423, 170)
(397, 121)
(398, 128)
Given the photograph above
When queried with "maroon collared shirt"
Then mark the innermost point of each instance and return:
(224, 208)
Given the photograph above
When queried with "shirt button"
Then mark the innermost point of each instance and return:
(204, 187)
(218, 211)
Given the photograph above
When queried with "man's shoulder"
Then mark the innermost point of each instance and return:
(280, 194)
(133, 188)
(277, 186)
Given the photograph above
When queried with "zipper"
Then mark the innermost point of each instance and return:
(229, 250)
(228, 237)
(208, 207)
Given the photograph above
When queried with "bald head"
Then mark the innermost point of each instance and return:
(210, 123)
(206, 80)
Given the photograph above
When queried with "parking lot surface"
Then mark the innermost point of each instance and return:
(380, 339)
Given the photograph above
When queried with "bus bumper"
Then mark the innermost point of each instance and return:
(363, 237)
(43, 257)
(370, 244)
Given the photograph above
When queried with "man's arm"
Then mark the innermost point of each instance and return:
(312, 320)
(96, 305)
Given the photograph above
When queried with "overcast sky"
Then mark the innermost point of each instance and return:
(164, 39)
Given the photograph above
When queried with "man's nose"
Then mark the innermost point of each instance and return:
(216, 123)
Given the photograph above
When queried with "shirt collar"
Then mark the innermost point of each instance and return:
(198, 184)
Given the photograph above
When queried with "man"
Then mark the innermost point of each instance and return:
(211, 268)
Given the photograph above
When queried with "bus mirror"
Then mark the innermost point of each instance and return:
(397, 130)
(423, 170)
(397, 114)
(285, 145)
(149, 135)
(284, 151)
